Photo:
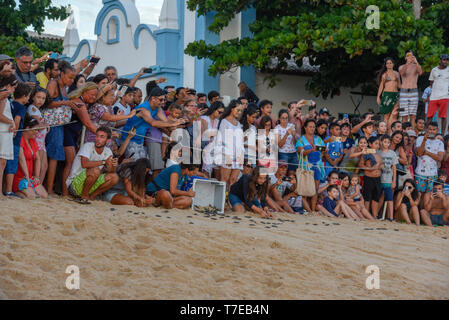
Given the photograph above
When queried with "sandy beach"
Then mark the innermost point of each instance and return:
(132, 253)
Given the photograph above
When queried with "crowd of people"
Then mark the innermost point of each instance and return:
(66, 133)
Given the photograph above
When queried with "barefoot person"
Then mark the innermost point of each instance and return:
(389, 83)
(93, 171)
(439, 98)
(408, 97)
(436, 207)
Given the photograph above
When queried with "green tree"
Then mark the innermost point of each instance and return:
(332, 33)
(17, 15)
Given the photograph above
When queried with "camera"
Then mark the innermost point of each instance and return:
(320, 148)
(94, 60)
(376, 117)
(147, 70)
(286, 179)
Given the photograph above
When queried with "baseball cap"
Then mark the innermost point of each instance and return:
(412, 133)
(444, 57)
(5, 57)
(157, 92)
(324, 110)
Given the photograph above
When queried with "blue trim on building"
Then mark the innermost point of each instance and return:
(117, 30)
(108, 7)
(139, 30)
(78, 50)
(203, 81)
(248, 74)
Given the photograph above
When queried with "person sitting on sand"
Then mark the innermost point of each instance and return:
(281, 184)
(93, 171)
(130, 190)
(335, 207)
(436, 206)
(165, 187)
(407, 202)
(26, 181)
(250, 193)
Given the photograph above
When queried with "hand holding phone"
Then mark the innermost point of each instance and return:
(94, 60)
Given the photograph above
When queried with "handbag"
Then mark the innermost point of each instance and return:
(305, 181)
(57, 116)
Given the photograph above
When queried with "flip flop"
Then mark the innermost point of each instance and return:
(82, 201)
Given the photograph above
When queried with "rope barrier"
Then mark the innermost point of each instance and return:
(200, 149)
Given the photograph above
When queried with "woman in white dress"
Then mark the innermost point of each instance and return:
(209, 129)
(229, 151)
(7, 126)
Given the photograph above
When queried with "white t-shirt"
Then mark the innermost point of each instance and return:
(282, 187)
(288, 146)
(35, 112)
(126, 109)
(426, 165)
(440, 87)
(88, 151)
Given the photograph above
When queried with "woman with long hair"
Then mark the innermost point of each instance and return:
(230, 142)
(57, 112)
(286, 133)
(80, 79)
(250, 193)
(389, 82)
(407, 201)
(83, 97)
(209, 129)
(264, 142)
(131, 189)
(26, 181)
(321, 129)
(100, 114)
(249, 117)
(311, 148)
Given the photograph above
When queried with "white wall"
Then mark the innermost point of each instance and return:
(229, 80)
(292, 88)
(189, 36)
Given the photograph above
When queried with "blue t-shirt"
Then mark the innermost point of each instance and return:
(335, 149)
(18, 109)
(313, 157)
(141, 125)
(348, 144)
(163, 179)
(330, 205)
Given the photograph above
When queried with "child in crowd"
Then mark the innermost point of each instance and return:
(335, 207)
(39, 99)
(372, 165)
(175, 112)
(388, 176)
(442, 176)
(334, 148)
(21, 97)
(354, 198)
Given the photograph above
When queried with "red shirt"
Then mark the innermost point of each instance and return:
(30, 156)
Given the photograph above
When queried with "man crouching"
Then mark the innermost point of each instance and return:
(94, 169)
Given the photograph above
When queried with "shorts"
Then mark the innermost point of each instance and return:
(438, 220)
(135, 151)
(440, 105)
(155, 154)
(71, 134)
(111, 193)
(388, 101)
(408, 100)
(290, 158)
(372, 189)
(317, 173)
(76, 187)
(13, 165)
(387, 191)
(54, 142)
(235, 200)
(425, 184)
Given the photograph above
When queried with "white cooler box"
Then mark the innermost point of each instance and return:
(209, 193)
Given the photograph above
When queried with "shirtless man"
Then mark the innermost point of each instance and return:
(408, 98)
(436, 207)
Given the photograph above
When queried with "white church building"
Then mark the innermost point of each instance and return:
(128, 44)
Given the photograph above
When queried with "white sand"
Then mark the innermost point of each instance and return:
(126, 256)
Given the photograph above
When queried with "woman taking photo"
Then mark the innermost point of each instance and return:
(311, 148)
(264, 142)
(286, 135)
(250, 192)
(407, 201)
(388, 95)
(230, 141)
(26, 181)
(99, 112)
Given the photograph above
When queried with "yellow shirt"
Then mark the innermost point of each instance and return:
(43, 80)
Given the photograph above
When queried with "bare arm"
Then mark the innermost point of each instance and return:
(87, 164)
(174, 186)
